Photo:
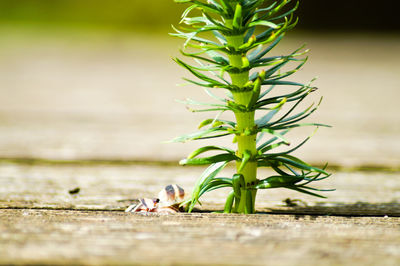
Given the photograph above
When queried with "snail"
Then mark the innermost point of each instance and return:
(168, 201)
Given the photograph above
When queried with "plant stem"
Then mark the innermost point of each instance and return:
(245, 122)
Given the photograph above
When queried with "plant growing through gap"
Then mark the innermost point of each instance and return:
(230, 41)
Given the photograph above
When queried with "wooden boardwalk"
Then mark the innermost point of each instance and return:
(78, 115)
(40, 222)
(88, 96)
(98, 237)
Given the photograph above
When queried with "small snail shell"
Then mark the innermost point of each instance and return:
(171, 195)
(168, 201)
(145, 205)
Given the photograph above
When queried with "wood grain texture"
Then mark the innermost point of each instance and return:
(87, 96)
(101, 238)
(84, 95)
(107, 187)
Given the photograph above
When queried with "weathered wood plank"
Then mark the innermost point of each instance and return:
(85, 95)
(103, 238)
(108, 187)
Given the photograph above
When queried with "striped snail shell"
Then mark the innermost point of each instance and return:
(144, 205)
(168, 201)
(170, 195)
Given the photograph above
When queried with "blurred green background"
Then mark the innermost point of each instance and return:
(130, 14)
(119, 14)
(94, 79)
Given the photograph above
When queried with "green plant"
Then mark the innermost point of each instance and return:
(227, 38)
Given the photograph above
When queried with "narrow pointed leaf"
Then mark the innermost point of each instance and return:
(209, 148)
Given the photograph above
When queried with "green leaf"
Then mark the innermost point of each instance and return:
(237, 18)
(316, 189)
(252, 57)
(295, 118)
(274, 69)
(266, 118)
(186, 12)
(206, 133)
(281, 172)
(272, 140)
(192, 36)
(255, 94)
(216, 22)
(224, 157)
(205, 123)
(298, 94)
(270, 35)
(205, 178)
(285, 152)
(270, 147)
(279, 7)
(287, 181)
(194, 20)
(296, 162)
(288, 151)
(249, 34)
(245, 159)
(278, 181)
(266, 92)
(207, 7)
(267, 8)
(215, 183)
(264, 163)
(286, 13)
(198, 74)
(203, 84)
(275, 133)
(291, 72)
(249, 203)
(263, 23)
(249, 5)
(229, 202)
(226, 6)
(281, 127)
(281, 82)
(216, 123)
(218, 57)
(209, 148)
(282, 118)
(238, 183)
(220, 62)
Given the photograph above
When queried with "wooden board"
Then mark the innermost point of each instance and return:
(84, 95)
(103, 238)
(114, 187)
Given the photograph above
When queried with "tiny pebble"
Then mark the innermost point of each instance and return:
(74, 191)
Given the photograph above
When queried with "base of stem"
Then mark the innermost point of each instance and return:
(243, 205)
